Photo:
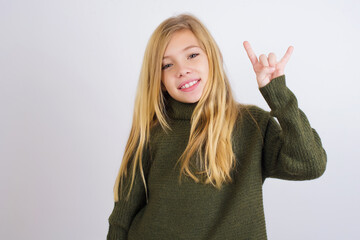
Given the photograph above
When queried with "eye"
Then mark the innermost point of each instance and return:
(166, 66)
(194, 55)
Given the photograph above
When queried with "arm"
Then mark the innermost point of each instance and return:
(292, 150)
(125, 211)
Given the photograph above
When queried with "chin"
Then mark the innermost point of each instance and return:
(187, 99)
(191, 100)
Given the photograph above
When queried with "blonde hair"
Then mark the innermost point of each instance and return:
(212, 121)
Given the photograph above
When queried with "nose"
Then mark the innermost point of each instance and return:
(182, 70)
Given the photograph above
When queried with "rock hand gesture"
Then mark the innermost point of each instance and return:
(266, 68)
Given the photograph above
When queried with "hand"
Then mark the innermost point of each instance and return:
(267, 68)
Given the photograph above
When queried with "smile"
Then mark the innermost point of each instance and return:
(190, 86)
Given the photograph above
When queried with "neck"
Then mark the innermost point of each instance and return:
(178, 110)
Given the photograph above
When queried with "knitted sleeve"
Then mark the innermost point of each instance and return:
(125, 211)
(291, 150)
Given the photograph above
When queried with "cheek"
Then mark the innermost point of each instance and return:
(164, 78)
(204, 66)
(163, 88)
(205, 69)
(165, 81)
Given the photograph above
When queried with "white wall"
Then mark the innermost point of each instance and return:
(68, 74)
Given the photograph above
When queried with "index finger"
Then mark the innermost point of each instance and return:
(287, 55)
(251, 54)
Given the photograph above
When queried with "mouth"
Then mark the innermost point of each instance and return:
(189, 85)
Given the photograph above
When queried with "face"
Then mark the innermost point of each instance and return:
(185, 67)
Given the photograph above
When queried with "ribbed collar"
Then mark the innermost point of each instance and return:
(178, 110)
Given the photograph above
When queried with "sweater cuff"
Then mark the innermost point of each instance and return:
(276, 93)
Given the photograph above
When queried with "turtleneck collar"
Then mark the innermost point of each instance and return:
(178, 110)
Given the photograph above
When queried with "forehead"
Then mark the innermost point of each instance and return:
(180, 40)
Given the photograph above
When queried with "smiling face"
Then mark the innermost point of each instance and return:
(185, 67)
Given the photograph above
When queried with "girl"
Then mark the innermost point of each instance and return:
(196, 160)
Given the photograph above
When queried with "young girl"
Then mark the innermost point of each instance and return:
(196, 160)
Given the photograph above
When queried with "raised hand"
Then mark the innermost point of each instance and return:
(267, 68)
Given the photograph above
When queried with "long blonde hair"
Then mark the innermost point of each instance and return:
(212, 121)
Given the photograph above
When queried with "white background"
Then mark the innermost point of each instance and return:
(68, 76)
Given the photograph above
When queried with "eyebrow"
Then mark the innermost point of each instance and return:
(188, 47)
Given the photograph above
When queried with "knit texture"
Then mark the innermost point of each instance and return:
(291, 150)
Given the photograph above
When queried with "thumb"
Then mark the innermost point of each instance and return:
(270, 70)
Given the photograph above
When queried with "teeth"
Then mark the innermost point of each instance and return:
(189, 84)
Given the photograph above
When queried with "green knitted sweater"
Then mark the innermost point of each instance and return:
(291, 151)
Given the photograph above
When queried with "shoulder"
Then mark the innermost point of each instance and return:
(155, 131)
(252, 114)
(252, 111)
